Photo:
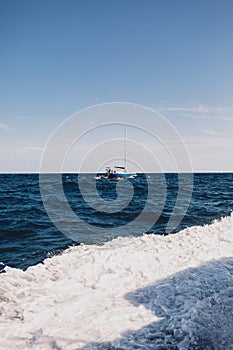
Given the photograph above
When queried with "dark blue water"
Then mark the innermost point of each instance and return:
(27, 235)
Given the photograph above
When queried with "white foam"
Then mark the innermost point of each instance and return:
(150, 291)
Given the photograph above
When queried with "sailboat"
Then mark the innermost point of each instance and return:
(120, 171)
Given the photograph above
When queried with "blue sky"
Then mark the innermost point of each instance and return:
(58, 57)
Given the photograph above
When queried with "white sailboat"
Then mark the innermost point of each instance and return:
(120, 171)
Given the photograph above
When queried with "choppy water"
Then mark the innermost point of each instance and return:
(155, 291)
(27, 235)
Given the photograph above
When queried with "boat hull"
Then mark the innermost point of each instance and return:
(120, 175)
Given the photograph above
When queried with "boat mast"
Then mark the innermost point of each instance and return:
(125, 137)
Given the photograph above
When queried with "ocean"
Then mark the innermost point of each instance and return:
(117, 285)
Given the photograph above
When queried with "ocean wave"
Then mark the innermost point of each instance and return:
(150, 292)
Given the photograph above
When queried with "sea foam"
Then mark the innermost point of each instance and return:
(150, 292)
